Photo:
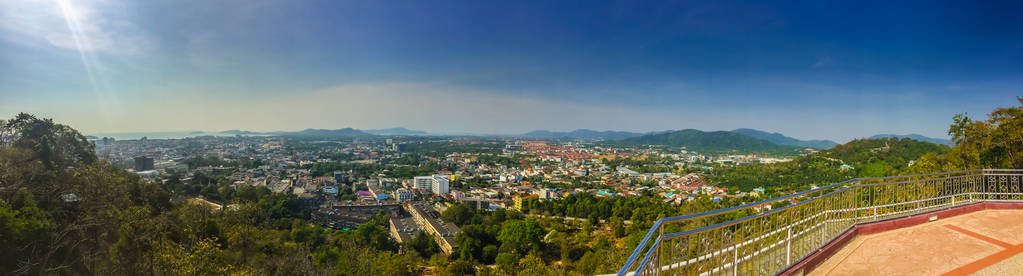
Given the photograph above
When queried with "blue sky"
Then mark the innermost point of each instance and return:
(809, 69)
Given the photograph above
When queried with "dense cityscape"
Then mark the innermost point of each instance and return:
(342, 183)
(429, 197)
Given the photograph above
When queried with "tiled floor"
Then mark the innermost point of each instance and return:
(984, 243)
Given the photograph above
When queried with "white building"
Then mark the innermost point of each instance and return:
(440, 184)
(423, 183)
(437, 184)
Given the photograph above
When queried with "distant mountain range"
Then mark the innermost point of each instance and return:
(311, 132)
(397, 131)
(584, 134)
(919, 137)
(739, 140)
(780, 139)
(712, 141)
(344, 132)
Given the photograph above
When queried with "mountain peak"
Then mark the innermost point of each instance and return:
(397, 131)
(710, 141)
(584, 134)
(780, 139)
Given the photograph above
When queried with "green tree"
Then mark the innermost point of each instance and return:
(55, 145)
(507, 262)
(423, 244)
(617, 226)
(460, 268)
(24, 230)
(993, 143)
(533, 265)
(521, 236)
(459, 214)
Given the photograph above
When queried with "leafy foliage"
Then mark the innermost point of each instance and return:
(55, 145)
(993, 143)
(521, 236)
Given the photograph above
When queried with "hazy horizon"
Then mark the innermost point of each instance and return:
(192, 133)
(814, 70)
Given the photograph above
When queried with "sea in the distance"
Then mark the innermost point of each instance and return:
(159, 135)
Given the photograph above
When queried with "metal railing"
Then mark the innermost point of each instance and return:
(754, 239)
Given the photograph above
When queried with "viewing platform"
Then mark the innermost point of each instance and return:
(948, 223)
(981, 242)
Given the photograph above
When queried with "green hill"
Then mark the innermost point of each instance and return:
(863, 157)
(780, 139)
(884, 156)
(711, 142)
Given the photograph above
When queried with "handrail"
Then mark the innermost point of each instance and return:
(639, 248)
(733, 222)
(709, 213)
(856, 182)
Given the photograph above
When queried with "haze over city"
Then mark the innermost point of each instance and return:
(811, 70)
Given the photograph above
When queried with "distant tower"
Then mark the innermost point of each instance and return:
(140, 149)
(339, 177)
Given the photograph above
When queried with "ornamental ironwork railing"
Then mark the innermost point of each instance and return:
(754, 239)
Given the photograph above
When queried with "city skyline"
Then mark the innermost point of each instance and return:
(807, 70)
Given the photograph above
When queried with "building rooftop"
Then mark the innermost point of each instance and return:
(446, 229)
(405, 227)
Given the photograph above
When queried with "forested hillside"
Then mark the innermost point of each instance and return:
(861, 158)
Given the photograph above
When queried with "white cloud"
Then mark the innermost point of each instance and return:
(86, 26)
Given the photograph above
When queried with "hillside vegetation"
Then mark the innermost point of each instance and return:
(862, 158)
(993, 143)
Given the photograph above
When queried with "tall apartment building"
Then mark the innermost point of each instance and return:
(143, 163)
(440, 185)
(423, 183)
(437, 184)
